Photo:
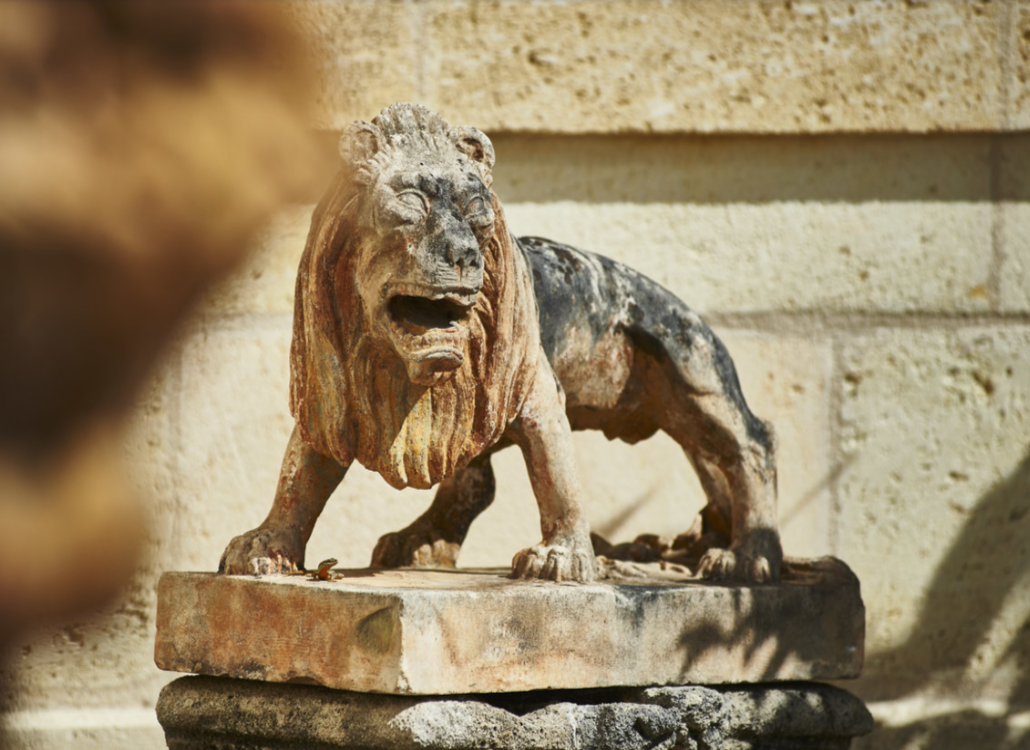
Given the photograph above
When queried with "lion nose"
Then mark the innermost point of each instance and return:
(464, 256)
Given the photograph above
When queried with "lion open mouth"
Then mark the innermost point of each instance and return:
(430, 323)
(419, 315)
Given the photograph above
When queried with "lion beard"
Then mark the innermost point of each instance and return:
(349, 390)
(416, 435)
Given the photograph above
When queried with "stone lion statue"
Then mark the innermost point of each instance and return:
(426, 337)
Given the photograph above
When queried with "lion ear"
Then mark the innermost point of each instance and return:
(477, 147)
(358, 144)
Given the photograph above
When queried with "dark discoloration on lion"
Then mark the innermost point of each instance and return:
(418, 322)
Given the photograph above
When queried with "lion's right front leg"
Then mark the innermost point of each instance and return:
(542, 432)
(306, 481)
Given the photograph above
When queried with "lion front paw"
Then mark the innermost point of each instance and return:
(554, 563)
(741, 564)
(263, 552)
(418, 546)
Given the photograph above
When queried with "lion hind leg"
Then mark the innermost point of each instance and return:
(694, 392)
(434, 539)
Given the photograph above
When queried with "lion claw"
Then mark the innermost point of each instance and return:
(554, 563)
(262, 552)
(724, 565)
(418, 548)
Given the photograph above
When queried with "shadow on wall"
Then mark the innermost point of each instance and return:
(984, 572)
(747, 169)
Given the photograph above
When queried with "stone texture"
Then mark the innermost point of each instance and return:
(698, 66)
(1018, 87)
(933, 506)
(1013, 222)
(445, 632)
(835, 225)
(205, 712)
(367, 55)
(124, 728)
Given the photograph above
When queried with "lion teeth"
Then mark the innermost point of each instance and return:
(464, 296)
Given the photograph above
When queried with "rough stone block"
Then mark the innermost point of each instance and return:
(205, 712)
(1018, 87)
(749, 225)
(367, 56)
(934, 499)
(698, 66)
(446, 632)
(1013, 220)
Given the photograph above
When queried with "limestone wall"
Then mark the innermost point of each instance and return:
(841, 188)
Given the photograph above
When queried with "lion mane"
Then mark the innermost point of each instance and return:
(349, 391)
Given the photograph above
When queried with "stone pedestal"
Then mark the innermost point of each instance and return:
(471, 659)
(207, 713)
(452, 632)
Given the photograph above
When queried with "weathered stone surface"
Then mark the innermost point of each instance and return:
(366, 54)
(205, 712)
(445, 632)
(1013, 220)
(129, 727)
(699, 66)
(1018, 47)
(947, 411)
(751, 225)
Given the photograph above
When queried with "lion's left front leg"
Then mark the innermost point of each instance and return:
(542, 432)
(434, 539)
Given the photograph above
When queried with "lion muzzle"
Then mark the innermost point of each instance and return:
(429, 327)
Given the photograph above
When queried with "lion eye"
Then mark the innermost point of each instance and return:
(414, 200)
(480, 214)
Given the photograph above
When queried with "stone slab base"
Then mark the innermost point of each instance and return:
(447, 632)
(207, 713)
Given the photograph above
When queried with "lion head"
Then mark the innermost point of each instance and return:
(415, 335)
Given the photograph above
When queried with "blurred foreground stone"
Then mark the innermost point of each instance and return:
(450, 632)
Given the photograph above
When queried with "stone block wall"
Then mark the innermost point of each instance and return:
(841, 188)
